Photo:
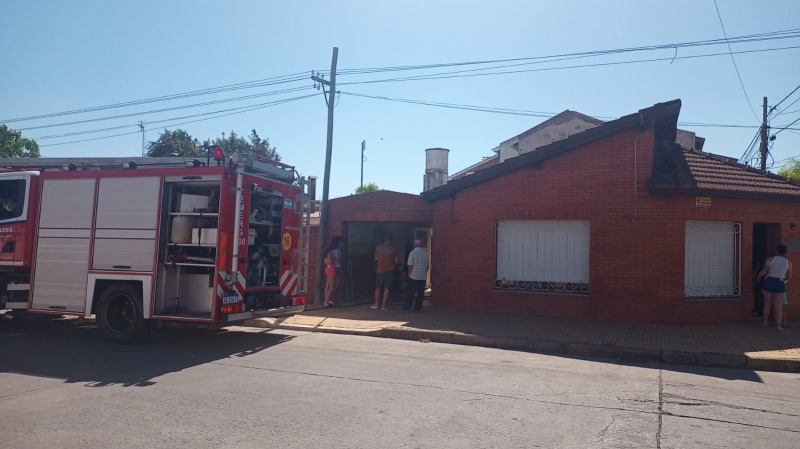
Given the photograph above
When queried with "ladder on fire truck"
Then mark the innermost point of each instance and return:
(305, 237)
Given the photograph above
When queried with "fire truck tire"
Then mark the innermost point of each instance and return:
(119, 313)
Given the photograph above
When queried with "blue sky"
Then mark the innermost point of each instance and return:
(62, 56)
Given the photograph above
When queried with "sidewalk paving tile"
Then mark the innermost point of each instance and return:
(746, 345)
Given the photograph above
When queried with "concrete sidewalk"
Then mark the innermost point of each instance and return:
(746, 346)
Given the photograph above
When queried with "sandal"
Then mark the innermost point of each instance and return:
(373, 306)
(781, 328)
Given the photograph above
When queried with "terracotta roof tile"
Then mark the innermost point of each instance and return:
(723, 175)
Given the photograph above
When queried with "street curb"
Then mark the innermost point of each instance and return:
(623, 354)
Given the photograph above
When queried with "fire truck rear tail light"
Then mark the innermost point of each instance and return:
(232, 308)
(299, 301)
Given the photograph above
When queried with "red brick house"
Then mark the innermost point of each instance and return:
(617, 222)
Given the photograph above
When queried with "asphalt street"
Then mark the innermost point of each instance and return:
(62, 386)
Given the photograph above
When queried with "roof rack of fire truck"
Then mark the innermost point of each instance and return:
(251, 162)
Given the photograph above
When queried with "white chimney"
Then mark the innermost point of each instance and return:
(435, 168)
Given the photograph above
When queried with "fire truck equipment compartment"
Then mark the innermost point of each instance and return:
(192, 203)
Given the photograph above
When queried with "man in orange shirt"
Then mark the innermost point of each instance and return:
(386, 257)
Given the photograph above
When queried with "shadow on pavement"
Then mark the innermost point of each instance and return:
(740, 348)
(73, 350)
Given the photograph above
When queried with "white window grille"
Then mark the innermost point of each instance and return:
(543, 255)
(712, 259)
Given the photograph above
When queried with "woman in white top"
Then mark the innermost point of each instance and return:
(777, 270)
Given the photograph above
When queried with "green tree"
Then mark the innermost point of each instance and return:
(233, 143)
(262, 147)
(366, 188)
(12, 144)
(174, 143)
(791, 171)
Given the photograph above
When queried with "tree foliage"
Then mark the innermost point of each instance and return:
(262, 147)
(366, 188)
(180, 143)
(12, 144)
(174, 143)
(791, 171)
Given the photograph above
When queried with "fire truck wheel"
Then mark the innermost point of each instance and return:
(19, 314)
(119, 313)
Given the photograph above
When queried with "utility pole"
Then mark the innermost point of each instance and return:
(363, 147)
(323, 213)
(764, 133)
(141, 127)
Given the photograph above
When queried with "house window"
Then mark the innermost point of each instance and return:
(543, 255)
(712, 259)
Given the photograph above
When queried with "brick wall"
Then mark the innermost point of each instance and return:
(637, 240)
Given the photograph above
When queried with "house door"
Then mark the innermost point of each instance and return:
(766, 238)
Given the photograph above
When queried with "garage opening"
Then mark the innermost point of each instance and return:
(361, 240)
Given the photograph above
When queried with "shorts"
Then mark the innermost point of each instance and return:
(773, 285)
(384, 280)
(330, 271)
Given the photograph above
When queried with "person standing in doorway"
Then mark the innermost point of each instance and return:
(386, 258)
(777, 270)
(336, 249)
(417, 275)
(330, 270)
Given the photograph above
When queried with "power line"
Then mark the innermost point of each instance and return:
(217, 114)
(299, 76)
(449, 75)
(783, 34)
(784, 99)
(521, 112)
(174, 108)
(787, 107)
(787, 126)
(455, 106)
(749, 103)
(749, 152)
(213, 90)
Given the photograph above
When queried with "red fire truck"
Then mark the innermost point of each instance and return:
(131, 242)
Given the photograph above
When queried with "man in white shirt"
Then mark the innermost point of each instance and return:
(417, 275)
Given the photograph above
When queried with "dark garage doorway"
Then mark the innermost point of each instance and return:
(361, 240)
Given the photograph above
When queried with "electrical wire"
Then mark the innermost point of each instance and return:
(787, 107)
(174, 108)
(213, 90)
(748, 153)
(455, 106)
(450, 75)
(738, 75)
(772, 109)
(216, 114)
(786, 127)
(782, 34)
(521, 112)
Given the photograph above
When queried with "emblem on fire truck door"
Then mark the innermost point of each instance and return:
(287, 241)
